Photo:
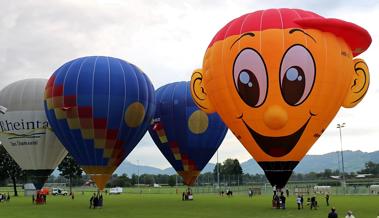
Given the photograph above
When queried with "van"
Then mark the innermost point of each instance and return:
(59, 191)
(115, 191)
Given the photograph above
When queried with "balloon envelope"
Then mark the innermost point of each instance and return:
(25, 131)
(185, 135)
(100, 108)
(277, 78)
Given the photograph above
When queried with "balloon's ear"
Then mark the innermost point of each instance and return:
(359, 85)
(199, 95)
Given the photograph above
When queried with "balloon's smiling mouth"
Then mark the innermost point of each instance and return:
(280, 145)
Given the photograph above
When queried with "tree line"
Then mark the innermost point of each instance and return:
(228, 173)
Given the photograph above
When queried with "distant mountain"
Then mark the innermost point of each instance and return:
(251, 167)
(354, 161)
(130, 168)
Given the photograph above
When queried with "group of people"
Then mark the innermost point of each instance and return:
(228, 193)
(187, 195)
(96, 201)
(279, 201)
(300, 202)
(312, 202)
(39, 199)
(5, 197)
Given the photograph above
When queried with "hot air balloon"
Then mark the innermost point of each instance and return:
(25, 131)
(186, 136)
(278, 77)
(99, 108)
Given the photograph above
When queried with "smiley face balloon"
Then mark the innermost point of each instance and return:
(277, 78)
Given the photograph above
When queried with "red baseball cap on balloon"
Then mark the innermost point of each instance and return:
(355, 36)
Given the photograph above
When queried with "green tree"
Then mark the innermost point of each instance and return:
(237, 169)
(119, 181)
(3, 164)
(9, 168)
(327, 173)
(227, 167)
(206, 178)
(370, 168)
(216, 169)
(70, 169)
(172, 180)
(134, 179)
(161, 178)
(230, 170)
(147, 179)
(231, 167)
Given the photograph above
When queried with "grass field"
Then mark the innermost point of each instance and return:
(170, 205)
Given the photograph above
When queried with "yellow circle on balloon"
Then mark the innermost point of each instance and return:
(198, 122)
(134, 115)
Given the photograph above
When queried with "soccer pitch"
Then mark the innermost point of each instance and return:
(171, 205)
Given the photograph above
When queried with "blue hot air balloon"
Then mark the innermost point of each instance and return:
(185, 135)
(99, 108)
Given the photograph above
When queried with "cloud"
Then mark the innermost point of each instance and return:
(167, 40)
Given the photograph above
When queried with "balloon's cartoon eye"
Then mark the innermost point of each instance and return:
(250, 77)
(297, 75)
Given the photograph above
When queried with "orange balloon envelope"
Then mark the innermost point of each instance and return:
(277, 78)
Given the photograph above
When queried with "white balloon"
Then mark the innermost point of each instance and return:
(24, 130)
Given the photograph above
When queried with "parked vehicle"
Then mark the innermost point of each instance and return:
(59, 191)
(115, 191)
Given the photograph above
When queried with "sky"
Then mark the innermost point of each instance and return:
(167, 40)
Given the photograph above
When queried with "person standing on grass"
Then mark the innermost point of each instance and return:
(313, 202)
(96, 201)
(349, 214)
(277, 201)
(302, 202)
(101, 201)
(283, 201)
(274, 201)
(333, 213)
(298, 201)
(250, 193)
(327, 199)
(91, 201)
